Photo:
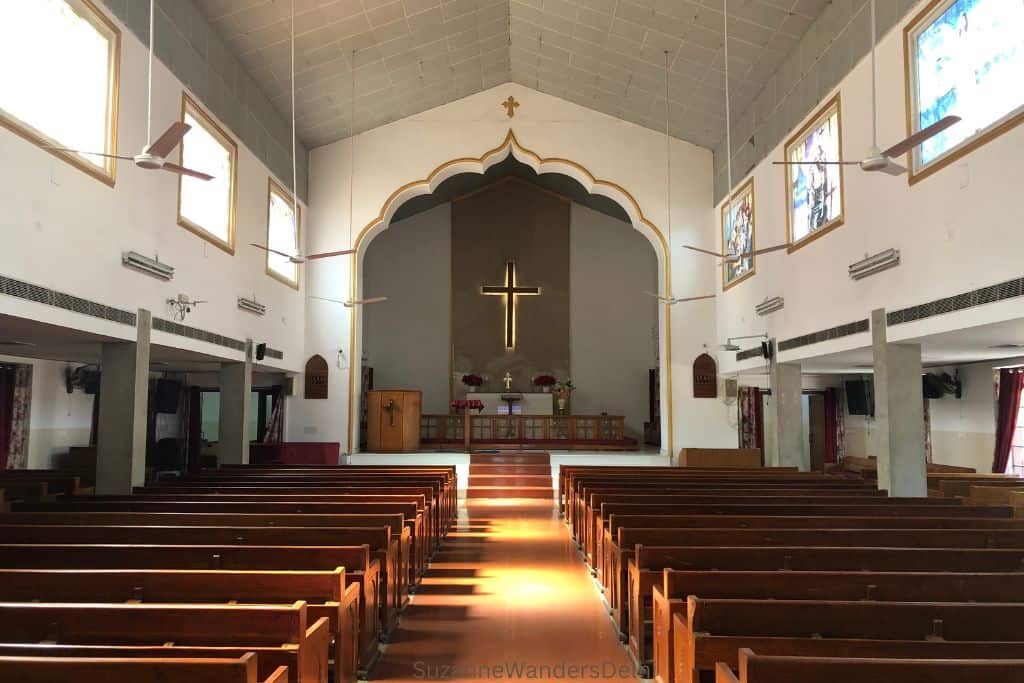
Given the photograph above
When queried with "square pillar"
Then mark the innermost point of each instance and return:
(235, 407)
(786, 446)
(124, 403)
(899, 413)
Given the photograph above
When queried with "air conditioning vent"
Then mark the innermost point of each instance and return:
(180, 330)
(836, 332)
(958, 302)
(51, 297)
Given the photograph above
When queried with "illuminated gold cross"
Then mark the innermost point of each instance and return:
(510, 106)
(510, 291)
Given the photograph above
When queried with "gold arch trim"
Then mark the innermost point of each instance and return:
(511, 143)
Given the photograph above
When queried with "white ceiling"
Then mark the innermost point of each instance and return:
(608, 55)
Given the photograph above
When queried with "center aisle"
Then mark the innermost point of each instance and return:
(506, 597)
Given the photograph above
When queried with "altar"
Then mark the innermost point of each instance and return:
(522, 403)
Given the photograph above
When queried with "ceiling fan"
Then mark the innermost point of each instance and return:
(355, 302)
(299, 258)
(733, 258)
(882, 160)
(153, 156)
(673, 300)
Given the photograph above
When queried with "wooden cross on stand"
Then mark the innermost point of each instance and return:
(510, 290)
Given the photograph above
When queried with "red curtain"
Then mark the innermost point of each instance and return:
(831, 428)
(1010, 384)
(6, 413)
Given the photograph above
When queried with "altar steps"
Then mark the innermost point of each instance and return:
(543, 470)
(509, 479)
(510, 475)
(510, 459)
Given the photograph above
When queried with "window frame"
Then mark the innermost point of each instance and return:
(108, 173)
(915, 173)
(275, 187)
(189, 105)
(744, 188)
(816, 118)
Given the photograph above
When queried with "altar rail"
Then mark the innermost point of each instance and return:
(560, 432)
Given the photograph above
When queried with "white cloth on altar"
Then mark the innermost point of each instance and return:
(528, 404)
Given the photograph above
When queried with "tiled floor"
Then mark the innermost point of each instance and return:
(506, 598)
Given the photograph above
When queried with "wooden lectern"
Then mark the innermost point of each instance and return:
(393, 421)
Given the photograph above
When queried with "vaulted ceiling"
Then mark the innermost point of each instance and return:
(610, 55)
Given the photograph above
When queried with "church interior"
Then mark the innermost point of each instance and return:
(469, 340)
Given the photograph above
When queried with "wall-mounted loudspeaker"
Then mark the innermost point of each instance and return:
(261, 350)
(288, 386)
(766, 350)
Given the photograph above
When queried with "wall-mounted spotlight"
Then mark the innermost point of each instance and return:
(771, 305)
(144, 264)
(869, 265)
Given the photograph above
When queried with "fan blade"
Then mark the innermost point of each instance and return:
(693, 298)
(168, 140)
(733, 258)
(272, 251)
(704, 251)
(174, 168)
(892, 168)
(816, 163)
(901, 148)
(94, 154)
(333, 301)
(328, 254)
(656, 296)
(361, 302)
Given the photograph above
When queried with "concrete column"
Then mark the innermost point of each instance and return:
(124, 402)
(786, 417)
(899, 413)
(235, 406)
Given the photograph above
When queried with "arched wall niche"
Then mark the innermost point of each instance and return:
(540, 165)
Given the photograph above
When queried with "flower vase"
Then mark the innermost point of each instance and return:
(561, 404)
(470, 389)
(546, 389)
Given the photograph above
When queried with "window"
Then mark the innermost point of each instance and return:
(814, 191)
(284, 220)
(207, 207)
(964, 57)
(58, 83)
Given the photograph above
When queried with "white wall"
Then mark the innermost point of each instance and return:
(393, 159)
(67, 231)
(408, 341)
(614, 327)
(963, 431)
(955, 230)
(57, 419)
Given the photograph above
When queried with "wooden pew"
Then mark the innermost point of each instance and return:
(789, 508)
(612, 551)
(755, 668)
(360, 568)
(401, 529)
(636, 582)
(270, 508)
(382, 548)
(716, 629)
(593, 532)
(670, 597)
(278, 634)
(142, 670)
(325, 592)
(423, 512)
